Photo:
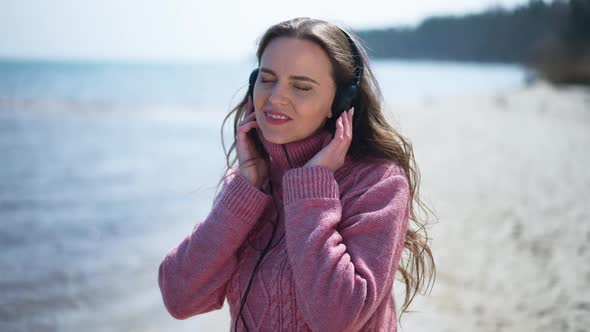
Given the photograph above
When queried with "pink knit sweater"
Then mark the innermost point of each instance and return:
(335, 252)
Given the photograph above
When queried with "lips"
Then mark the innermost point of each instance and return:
(277, 113)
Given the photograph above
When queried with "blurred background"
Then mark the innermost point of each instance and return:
(108, 109)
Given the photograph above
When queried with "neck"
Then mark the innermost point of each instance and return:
(295, 154)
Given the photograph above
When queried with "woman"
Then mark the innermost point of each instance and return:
(308, 231)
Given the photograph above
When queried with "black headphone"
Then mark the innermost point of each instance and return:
(344, 98)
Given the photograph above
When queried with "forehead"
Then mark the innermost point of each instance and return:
(291, 56)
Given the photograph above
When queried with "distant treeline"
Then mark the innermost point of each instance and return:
(553, 37)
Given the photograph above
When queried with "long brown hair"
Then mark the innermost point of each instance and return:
(373, 137)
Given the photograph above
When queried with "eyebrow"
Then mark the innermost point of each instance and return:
(294, 77)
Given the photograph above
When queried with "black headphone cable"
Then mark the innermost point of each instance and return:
(264, 252)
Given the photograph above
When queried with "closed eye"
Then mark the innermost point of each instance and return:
(302, 88)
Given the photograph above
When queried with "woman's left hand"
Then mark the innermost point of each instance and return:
(333, 154)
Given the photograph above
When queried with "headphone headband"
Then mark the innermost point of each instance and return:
(356, 55)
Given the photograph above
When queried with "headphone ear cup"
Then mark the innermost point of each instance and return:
(251, 82)
(343, 100)
(337, 104)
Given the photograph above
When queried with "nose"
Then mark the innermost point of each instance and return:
(277, 96)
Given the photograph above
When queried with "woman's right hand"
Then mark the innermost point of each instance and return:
(251, 163)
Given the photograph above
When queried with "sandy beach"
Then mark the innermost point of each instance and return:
(508, 177)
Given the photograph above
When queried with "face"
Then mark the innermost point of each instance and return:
(294, 81)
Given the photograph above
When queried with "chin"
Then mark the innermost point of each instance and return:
(276, 138)
(279, 136)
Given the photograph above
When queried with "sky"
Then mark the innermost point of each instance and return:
(188, 31)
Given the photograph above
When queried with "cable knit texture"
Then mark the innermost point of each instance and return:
(331, 267)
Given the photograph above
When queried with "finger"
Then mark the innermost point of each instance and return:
(335, 141)
(346, 123)
(249, 124)
(339, 145)
(339, 135)
(245, 128)
(248, 118)
(351, 121)
(345, 136)
(349, 116)
(344, 128)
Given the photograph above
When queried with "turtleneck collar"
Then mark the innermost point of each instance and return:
(295, 154)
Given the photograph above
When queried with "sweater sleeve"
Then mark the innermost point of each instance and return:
(193, 275)
(344, 251)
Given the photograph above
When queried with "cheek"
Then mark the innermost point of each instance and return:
(313, 112)
(259, 99)
(318, 105)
